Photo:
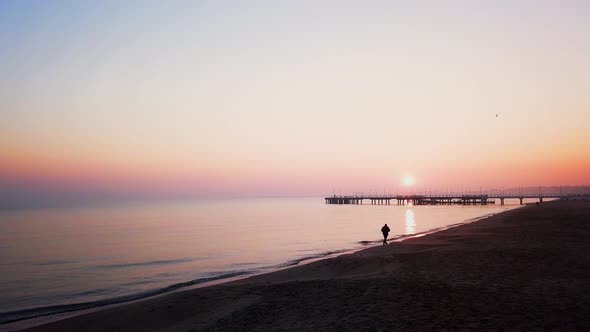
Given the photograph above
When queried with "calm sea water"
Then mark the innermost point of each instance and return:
(57, 260)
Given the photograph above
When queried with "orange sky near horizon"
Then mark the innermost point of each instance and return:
(163, 177)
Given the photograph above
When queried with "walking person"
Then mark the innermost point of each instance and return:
(385, 230)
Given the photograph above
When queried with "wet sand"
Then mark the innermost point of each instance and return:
(525, 269)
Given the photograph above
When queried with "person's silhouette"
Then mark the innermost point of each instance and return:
(385, 231)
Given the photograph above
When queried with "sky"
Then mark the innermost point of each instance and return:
(250, 98)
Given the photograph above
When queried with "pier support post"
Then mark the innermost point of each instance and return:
(501, 201)
(520, 200)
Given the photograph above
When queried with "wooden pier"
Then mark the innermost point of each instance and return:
(442, 199)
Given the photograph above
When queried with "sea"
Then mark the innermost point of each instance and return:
(61, 260)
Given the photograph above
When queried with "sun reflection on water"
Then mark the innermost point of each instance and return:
(410, 223)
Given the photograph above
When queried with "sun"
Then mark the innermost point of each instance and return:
(408, 180)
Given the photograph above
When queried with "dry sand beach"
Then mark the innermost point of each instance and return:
(525, 269)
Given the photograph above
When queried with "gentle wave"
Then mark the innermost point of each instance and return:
(372, 242)
(14, 316)
(148, 263)
(56, 262)
(305, 258)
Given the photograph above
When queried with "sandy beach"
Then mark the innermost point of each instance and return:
(525, 269)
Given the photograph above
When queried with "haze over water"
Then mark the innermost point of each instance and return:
(63, 256)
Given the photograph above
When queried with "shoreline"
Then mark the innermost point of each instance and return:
(513, 256)
(68, 311)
